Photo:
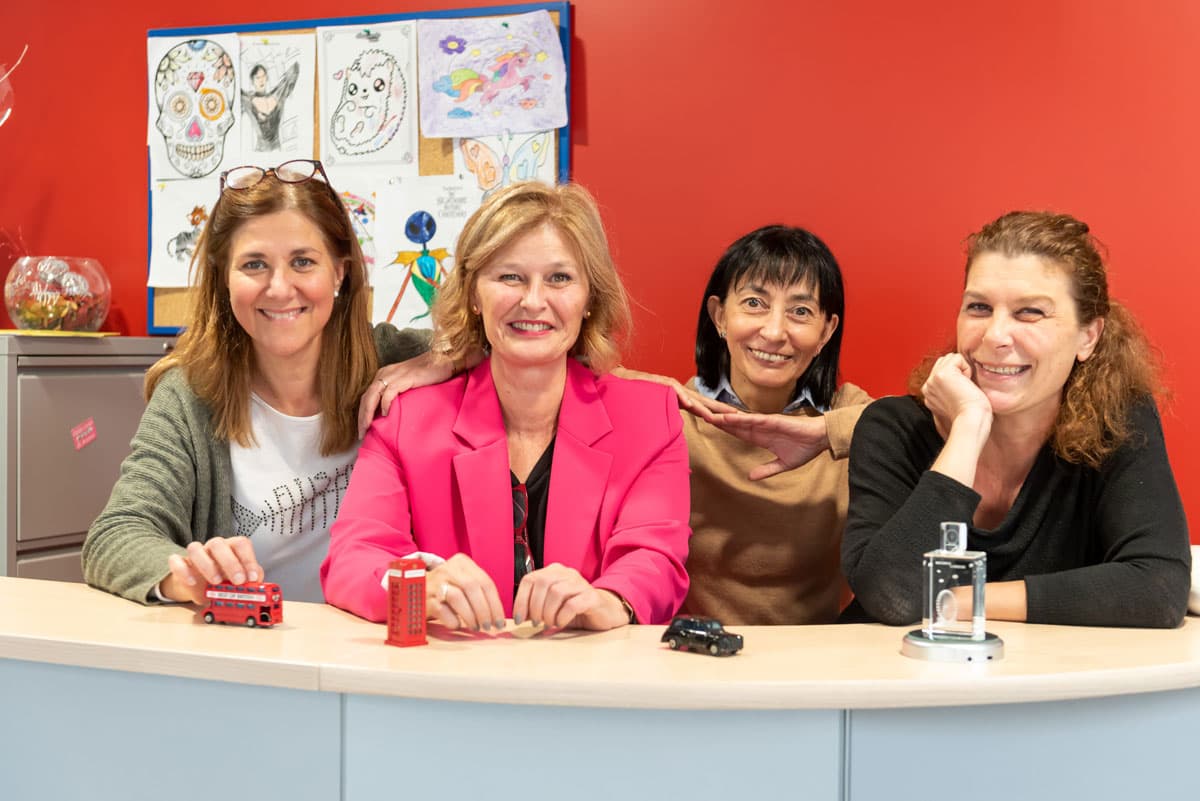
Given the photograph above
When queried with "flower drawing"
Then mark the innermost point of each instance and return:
(452, 45)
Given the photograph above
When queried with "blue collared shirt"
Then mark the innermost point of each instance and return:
(725, 394)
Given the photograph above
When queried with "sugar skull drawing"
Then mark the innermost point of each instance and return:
(194, 87)
(371, 106)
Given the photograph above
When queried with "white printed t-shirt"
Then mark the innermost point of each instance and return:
(286, 495)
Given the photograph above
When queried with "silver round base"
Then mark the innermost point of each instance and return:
(919, 645)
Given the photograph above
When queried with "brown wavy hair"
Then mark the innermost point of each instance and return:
(1093, 419)
(510, 213)
(217, 355)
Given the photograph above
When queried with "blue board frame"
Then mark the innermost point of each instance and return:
(563, 9)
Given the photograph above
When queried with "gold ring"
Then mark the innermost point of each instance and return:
(381, 381)
(442, 594)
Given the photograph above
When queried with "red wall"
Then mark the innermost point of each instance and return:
(890, 129)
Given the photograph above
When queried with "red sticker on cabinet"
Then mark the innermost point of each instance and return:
(84, 433)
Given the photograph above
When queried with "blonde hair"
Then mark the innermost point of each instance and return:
(504, 217)
(1093, 418)
(217, 355)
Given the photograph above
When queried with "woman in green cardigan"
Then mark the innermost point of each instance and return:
(250, 430)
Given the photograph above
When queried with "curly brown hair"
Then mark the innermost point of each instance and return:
(1093, 419)
(510, 213)
(217, 355)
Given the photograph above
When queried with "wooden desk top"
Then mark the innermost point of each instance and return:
(784, 667)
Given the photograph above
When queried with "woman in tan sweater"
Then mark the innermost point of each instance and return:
(767, 531)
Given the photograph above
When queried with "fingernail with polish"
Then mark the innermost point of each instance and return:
(517, 619)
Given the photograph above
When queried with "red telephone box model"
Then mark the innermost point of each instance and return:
(253, 604)
(406, 603)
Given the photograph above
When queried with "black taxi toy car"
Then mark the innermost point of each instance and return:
(701, 634)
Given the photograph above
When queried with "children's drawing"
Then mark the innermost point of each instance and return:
(510, 69)
(372, 104)
(362, 219)
(486, 75)
(358, 185)
(419, 220)
(265, 106)
(277, 92)
(179, 210)
(367, 96)
(425, 270)
(194, 92)
(181, 246)
(497, 161)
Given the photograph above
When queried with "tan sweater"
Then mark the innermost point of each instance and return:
(769, 552)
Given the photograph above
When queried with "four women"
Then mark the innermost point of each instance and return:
(1039, 431)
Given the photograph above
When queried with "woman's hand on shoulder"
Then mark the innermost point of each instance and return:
(794, 439)
(951, 394)
(558, 596)
(216, 561)
(460, 594)
(392, 379)
(689, 399)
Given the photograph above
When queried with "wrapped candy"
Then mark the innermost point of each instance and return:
(57, 294)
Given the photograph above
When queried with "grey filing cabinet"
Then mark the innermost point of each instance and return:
(68, 409)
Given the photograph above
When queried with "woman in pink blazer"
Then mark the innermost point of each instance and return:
(535, 485)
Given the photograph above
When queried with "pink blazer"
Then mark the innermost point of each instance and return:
(434, 476)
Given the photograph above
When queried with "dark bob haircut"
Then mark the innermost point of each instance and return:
(782, 256)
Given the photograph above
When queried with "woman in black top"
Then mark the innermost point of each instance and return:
(1040, 432)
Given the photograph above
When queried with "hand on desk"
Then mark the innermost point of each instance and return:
(558, 596)
(220, 559)
(459, 594)
(1004, 600)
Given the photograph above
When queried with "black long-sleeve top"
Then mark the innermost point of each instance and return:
(1105, 547)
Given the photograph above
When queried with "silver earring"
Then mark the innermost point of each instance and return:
(721, 333)
(474, 310)
(587, 314)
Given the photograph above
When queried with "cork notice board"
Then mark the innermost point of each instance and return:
(168, 305)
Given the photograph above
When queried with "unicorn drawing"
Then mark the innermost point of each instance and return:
(505, 73)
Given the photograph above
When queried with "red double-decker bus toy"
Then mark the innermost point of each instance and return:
(252, 604)
(406, 602)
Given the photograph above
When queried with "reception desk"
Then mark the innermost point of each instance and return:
(102, 698)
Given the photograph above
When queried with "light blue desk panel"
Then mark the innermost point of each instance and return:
(1120, 748)
(71, 733)
(444, 749)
